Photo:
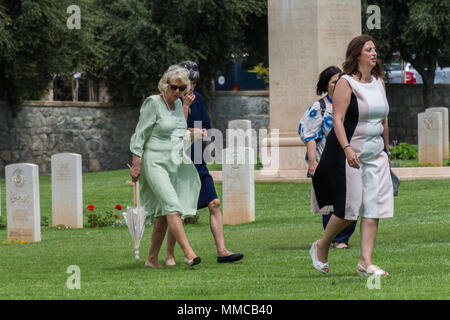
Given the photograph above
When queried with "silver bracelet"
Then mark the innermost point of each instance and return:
(346, 147)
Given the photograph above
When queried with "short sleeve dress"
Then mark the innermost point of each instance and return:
(316, 127)
(169, 183)
(198, 113)
(368, 191)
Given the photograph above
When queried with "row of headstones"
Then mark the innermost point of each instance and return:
(433, 136)
(23, 197)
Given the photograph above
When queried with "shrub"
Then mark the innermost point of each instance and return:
(404, 151)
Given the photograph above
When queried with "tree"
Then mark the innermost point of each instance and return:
(145, 37)
(36, 44)
(418, 30)
(129, 43)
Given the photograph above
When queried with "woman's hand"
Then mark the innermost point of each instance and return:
(312, 167)
(135, 170)
(198, 134)
(352, 158)
(188, 98)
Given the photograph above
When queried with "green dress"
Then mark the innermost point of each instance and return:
(169, 182)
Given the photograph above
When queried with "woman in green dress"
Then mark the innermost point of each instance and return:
(169, 183)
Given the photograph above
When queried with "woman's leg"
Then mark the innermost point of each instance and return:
(334, 226)
(170, 255)
(345, 234)
(369, 228)
(216, 225)
(176, 228)
(158, 233)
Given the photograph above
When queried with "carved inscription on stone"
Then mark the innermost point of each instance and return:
(17, 178)
(63, 172)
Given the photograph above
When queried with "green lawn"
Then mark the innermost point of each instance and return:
(413, 247)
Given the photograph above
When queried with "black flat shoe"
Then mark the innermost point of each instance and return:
(231, 258)
(193, 262)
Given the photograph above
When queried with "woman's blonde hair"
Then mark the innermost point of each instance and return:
(174, 72)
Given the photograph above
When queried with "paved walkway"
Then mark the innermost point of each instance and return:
(417, 173)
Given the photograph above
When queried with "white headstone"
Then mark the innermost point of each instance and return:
(430, 138)
(67, 190)
(240, 134)
(22, 202)
(444, 112)
(238, 186)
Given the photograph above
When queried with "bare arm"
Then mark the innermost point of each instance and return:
(341, 100)
(312, 159)
(385, 134)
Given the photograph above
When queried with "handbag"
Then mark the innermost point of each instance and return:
(395, 183)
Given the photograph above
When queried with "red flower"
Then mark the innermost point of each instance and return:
(118, 207)
(116, 216)
(90, 207)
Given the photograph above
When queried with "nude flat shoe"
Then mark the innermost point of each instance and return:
(340, 245)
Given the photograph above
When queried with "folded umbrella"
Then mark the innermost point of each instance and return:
(135, 220)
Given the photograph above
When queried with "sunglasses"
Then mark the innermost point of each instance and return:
(174, 87)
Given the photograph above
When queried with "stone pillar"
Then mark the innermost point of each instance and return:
(67, 190)
(305, 37)
(444, 113)
(22, 202)
(430, 138)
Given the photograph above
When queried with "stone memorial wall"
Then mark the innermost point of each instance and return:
(101, 133)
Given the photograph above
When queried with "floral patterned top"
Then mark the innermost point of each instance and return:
(315, 127)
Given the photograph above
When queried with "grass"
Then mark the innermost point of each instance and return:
(413, 247)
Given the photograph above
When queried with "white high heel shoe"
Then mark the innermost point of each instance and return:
(320, 266)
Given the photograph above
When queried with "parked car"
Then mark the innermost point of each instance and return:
(395, 74)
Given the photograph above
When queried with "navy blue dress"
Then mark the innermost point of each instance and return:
(197, 112)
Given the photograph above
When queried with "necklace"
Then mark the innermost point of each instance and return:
(329, 99)
(165, 101)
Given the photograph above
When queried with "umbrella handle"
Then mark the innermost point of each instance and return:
(136, 193)
(135, 190)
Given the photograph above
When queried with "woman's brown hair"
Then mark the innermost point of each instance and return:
(354, 49)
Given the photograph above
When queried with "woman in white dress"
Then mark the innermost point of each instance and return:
(314, 128)
(354, 172)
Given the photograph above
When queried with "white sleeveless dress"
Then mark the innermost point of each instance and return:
(368, 191)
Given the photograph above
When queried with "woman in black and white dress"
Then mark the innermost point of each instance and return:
(354, 171)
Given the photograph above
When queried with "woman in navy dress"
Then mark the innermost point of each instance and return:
(208, 196)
